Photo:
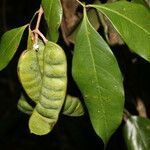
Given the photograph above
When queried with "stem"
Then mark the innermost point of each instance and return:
(83, 5)
(33, 17)
(36, 30)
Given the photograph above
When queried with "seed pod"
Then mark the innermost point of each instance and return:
(43, 74)
(73, 107)
(24, 106)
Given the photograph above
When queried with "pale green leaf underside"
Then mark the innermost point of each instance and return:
(97, 75)
(131, 20)
(136, 133)
(53, 15)
(9, 44)
(43, 74)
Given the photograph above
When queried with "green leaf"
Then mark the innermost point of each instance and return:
(97, 75)
(73, 107)
(24, 106)
(43, 74)
(9, 44)
(139, 2)
(137, 133)
(53, 15)
(132, 23)
(142, 2)
(93, 18)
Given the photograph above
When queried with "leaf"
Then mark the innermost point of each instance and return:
(142, 2)
(24, 106)
(9, 44)
(139, 2)
(73, 107)
(97, 75)
(53, 15)
(132, 23)
(43, 74)
(94, 20)
(137, 133)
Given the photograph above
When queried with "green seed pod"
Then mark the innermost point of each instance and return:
(24, 106)
(73, 107)
(43, 74)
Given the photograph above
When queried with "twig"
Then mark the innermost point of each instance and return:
(80, 3)
(40, 34)
(33, 17)
(36, 30)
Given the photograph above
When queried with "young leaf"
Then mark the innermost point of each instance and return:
(43, 74)
(136, 133)
(131, 20)
(9, 44)
(73, 107)
(97, 75)
(53, 16)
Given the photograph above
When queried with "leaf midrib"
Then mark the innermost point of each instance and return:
(123, 16)
(93, 62)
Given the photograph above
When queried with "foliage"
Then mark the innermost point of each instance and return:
(42, 68)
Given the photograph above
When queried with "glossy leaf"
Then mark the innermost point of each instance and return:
(136, 133)
(73, 107)
(9, 44)
(43, 74)
(53, 15)
(24, 106)
(97, 75)
(131, 20)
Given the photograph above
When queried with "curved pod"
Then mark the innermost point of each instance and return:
(43, 74)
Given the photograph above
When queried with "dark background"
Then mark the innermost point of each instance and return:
(69, 133)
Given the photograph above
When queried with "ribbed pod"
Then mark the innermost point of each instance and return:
(43, 74)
